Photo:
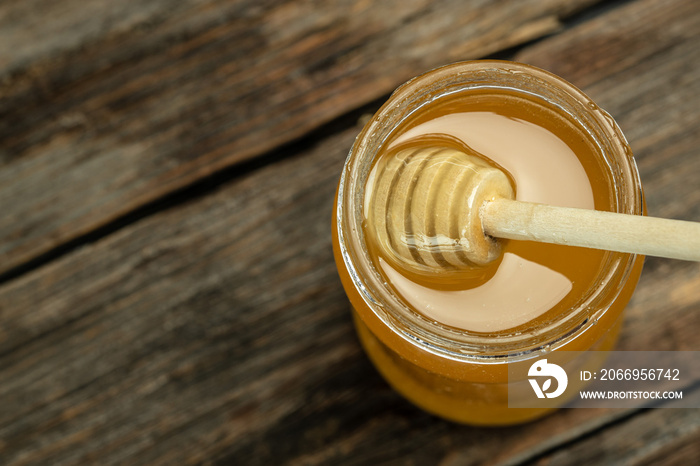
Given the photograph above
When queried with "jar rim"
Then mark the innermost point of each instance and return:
(388, 307)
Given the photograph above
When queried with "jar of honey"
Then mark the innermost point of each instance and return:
(445, 340)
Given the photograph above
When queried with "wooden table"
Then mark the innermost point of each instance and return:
(167, 288)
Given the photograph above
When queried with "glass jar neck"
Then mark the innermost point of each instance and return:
(411, 98)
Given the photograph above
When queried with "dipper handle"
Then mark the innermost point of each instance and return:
(651, 236)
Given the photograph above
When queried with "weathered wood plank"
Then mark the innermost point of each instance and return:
(217, 331)
(662, 436)
(116, 105)
(37, 31)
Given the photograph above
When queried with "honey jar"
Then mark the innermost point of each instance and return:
(445, 340)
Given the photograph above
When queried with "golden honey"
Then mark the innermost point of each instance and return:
(445, 341)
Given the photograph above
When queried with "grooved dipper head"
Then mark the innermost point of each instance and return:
(424, 208)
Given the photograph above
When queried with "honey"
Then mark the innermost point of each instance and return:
(445, 340)
(550, 161)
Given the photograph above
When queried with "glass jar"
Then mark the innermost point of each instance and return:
(462, 375)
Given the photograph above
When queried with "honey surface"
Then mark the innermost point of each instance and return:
(551, 160)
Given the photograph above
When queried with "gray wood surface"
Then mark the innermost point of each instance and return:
(214, 330)
(107, 106)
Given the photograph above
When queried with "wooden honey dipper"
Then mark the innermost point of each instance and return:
(438, 208)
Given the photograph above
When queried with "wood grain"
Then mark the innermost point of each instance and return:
(661, 436)
(217, 332)
(114, 105)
